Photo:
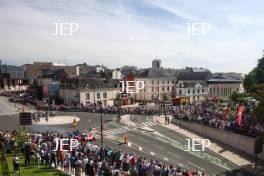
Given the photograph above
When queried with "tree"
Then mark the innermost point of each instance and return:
(256, 76)
(254, 84)
(250, 80)
(165, 97)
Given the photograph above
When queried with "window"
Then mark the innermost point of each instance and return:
(98, 95)
(152, 82)
(163, 89)
(163, 82)
(198, 97)
(193, 91)
(202, 90)
(168, 82)
(198, 91)
(168, 88)
(180, 92)
(158, 82)
(152, 89)
(105, 95)
(87, 96)
(189, 91)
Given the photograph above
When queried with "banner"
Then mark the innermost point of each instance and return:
(239, 116)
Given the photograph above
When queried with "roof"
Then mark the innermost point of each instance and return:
(226, 77)
(193, 84)
(98, 83)
(195, 76)
(156, 72)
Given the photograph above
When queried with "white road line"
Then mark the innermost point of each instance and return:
(152, 153)
(161, 148)
(148, 124)
(144, 124)
(152, 123)
(196, 166)
(166, 159)
(140, 148)
(115, 125)
(117, 131)
(161, 139)
(175, 155)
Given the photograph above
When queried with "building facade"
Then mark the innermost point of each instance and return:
(92, 96)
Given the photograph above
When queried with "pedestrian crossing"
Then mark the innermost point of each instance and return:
(149, 123)
(119, 129)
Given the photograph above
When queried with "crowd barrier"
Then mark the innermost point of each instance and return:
(240, 142)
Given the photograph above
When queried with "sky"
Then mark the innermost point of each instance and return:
(134, 32)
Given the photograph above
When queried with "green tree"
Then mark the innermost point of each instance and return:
(165, 97)
(250, 81)
(256, 76)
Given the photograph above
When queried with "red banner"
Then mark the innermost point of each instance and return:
(239, 116)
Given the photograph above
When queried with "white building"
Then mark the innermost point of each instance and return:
(194, 91)
(193, 85)
(116, 74)
(93, 96)
(159, 83)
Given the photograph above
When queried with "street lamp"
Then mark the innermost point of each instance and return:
(101, 111)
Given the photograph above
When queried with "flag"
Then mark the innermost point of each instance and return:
(239, 115)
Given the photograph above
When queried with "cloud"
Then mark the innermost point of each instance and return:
(116, 33)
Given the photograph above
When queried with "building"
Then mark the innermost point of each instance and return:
(96, 91)
(12, 78)
(76, 90)
(193, 85)
(159, 83)
(116, 74)
(222, 85)
(156, 63)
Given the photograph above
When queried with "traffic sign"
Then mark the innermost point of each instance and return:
(25, 118)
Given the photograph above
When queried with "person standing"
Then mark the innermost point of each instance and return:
(78, 167)
(16, 162)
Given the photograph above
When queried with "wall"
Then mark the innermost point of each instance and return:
(239, 142)
(108, 101)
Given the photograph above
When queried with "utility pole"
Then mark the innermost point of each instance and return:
(101, 109)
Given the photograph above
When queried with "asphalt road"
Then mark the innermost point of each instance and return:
(158, 143)
(6, 107)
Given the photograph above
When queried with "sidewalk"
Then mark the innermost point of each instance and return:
(220, 150)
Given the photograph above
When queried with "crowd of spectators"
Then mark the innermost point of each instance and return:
(95, 108)
(88, 158)
(206, 113)
(213, 115)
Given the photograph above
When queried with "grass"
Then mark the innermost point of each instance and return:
(31, 170)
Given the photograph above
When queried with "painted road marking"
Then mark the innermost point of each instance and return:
(140, 148)
(129, 144)
(152, 153)
(166, 159)
(175, 155)
(196, 166)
